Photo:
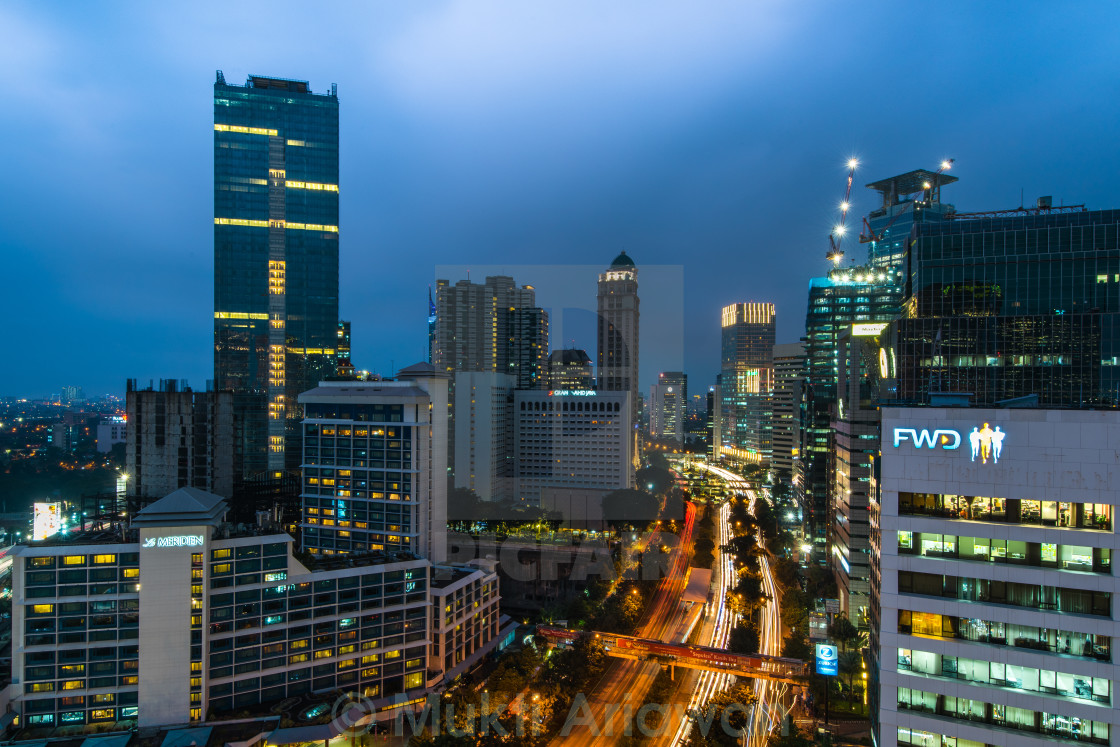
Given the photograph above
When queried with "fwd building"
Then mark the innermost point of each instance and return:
(993, 594)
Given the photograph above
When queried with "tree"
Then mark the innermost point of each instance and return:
(843, 632)
(744, 638)
(657, 480)
(850, 666)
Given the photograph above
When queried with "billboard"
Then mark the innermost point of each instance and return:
(828, 661)
(47, 520)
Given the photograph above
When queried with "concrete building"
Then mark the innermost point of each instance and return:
(669, 406)
(179, 438)
(227, 620)
(994, 598)
(110, 432)
(747, 380)
(571, 439)
(789, 375)
(484, 433)
(570, 369)
(617, 356)
(375, 465)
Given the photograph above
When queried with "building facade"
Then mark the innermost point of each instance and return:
(570, 369)
(375, 466)
(110, 432)
(179, 438)
(571, 439)
(669, 406)
(789, 375)
(275, 258)
(852, 295)
(994, 598)
(185, 618)
(484, 433)
(619, 316)
(747, 380)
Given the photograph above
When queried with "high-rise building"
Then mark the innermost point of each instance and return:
(431, 324)
(476, 326)
(909, 199)
(669, 406)
(1014, 303)
(576, 439)
(617, 356)
(713, 428)
(994, 596)
(178, 438)
(483, 408)
(851, 295)
(275, 258)
(375, 465)
(789, 375)
(570, 369)
(110, 432)
(747, 380)
(344, 366)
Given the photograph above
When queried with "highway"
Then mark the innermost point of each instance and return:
(626, 682)
(766, 714)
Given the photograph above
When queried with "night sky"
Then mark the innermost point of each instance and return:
(708, 140)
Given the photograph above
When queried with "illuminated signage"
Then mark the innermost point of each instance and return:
(175, 540)
(868, 329)
(572, 393)
(828, 660)
(986, 442)
(884, 368)
(47, 520)
(946, 439)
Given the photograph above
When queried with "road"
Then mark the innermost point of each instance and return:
(626, 682)
(767, 713)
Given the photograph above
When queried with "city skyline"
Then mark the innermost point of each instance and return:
(704, 183)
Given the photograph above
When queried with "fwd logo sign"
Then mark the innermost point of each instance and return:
(946, 439)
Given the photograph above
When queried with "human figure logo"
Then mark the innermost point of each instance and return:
(986, 443)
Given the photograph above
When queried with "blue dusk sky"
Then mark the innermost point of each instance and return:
(708, 140)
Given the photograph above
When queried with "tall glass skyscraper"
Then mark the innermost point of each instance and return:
(747, 378)
(275, 258)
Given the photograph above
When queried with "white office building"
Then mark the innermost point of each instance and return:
(483, 460)
(993, 593)
(579, 438)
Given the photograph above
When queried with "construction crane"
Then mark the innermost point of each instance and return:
(837, 235)
(933, 183)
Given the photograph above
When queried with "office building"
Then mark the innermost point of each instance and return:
(528, 347)
(669, 406)
(344, 366)
(484, 431)
(110, 432)
(851, 295)
(1014, 303)
(375, 465)
(855, 445)
(617, 350)
(994, 599)
(909, 199)
(570, 369)
(713, 428)
(571, 439)
(275, 259)
(179, 438)
(183, 617)
(789, 375)
(747, 380)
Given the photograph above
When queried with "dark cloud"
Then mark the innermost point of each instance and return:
(706, 136)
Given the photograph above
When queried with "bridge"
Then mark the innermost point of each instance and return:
(757, 666)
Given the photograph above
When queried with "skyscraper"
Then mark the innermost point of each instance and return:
(669, 406)
(789, 373)
(617, 359)
(570, 369)
(275, 258)
(747, 379)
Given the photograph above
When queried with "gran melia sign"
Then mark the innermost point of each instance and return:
(986, 443)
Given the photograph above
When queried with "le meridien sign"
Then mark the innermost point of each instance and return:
(986, 443)
(175, 540)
